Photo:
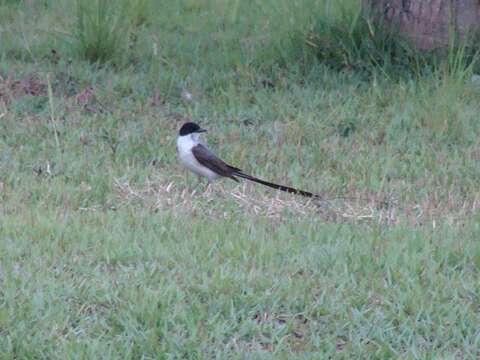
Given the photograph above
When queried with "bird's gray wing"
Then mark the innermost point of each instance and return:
(213, 162)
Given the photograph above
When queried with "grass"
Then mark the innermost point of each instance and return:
(102, 32)
(110, 250)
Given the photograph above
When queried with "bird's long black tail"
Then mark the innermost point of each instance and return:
(275, 186)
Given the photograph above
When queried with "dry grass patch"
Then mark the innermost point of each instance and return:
(218, 202)
(159, 193)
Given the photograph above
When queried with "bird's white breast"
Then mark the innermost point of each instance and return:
(184, 147)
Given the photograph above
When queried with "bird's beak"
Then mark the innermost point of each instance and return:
(201, 130)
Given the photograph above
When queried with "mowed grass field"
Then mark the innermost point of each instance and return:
(109, 250)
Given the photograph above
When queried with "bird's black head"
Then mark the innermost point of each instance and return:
(190, 128)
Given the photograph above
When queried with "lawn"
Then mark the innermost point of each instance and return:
(109, 249)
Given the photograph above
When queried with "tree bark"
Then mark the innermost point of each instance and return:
(429, 24)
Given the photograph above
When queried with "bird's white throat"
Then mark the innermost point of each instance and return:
(186, 142)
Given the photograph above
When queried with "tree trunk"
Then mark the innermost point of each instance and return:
(428, 23)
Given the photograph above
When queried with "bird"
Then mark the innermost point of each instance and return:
(196, 157)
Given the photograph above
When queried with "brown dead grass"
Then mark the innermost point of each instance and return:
(12, 88)
(159, 194)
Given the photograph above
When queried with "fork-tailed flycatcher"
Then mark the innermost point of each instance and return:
(199, 159)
